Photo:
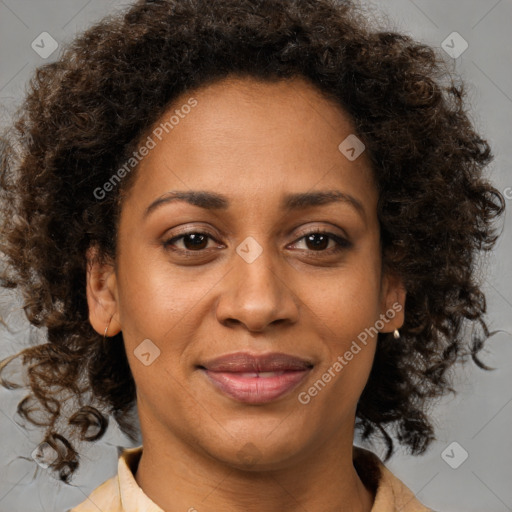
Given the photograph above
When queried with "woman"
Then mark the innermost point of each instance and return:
(258, 221)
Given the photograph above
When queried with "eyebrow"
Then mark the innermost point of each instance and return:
(290, 202)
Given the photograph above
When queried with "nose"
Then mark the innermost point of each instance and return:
(257, 294)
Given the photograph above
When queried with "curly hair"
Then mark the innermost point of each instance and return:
(84, 115)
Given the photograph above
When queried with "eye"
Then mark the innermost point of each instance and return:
(194, 241)
(318, 241)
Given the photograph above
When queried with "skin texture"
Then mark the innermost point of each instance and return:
(253, 142)
(61, 192)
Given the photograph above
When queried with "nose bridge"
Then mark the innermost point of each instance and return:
(254, 293)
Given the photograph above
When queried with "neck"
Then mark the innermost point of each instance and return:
(177, 475)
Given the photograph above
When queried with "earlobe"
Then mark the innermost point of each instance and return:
(394, 303)
(101, 291)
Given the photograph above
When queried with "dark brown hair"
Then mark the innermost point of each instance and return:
(85, 114)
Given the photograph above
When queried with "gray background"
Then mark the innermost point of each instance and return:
(478, 418)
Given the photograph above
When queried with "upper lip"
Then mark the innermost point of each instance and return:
(246, 362)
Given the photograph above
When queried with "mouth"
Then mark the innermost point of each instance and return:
(256, 379)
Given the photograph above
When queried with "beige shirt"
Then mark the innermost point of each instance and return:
(122, 494)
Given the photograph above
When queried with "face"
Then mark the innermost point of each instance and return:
(264, 265)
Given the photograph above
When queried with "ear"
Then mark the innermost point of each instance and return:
(393, 302)
(102, 297)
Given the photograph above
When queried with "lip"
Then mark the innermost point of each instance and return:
(247, 362)
(256, 378)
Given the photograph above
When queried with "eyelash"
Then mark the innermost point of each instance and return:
(342, 243)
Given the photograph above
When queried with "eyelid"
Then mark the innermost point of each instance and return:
(192, 229)
(342, 241)
(303, 232)
(323, 230)
(178, 236)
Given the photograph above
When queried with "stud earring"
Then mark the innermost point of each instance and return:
(396, 334)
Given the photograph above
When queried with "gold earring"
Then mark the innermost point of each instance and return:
(396, 334)
(106, 328)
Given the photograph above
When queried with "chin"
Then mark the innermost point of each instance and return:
(257, 452)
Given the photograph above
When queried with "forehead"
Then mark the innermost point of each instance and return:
(246, 137)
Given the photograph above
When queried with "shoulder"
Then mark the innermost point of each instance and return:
(119, 489)
(389, 491)
(105, 497)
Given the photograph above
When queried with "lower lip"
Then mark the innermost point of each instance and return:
(256, 390)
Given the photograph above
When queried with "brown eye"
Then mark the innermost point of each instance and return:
(192, 241)
(318, 241)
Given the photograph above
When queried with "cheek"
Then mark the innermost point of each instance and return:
(349, 301)
(345, 311)
(349, 350)
(153, 295)
(165, 305)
